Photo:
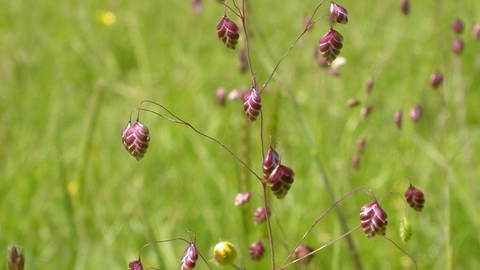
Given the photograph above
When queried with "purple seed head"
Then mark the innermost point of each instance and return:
(252, 104)
(373, 219)
(280, 181)
(436, 79)
(136, 138)
(256, 251)
(356, 161)
(330, 45)
(302, 251)
(271, 160)
(339, 13)
(220, 96)
(369, 85)
(415, 198)
(361, 144)
(405, 7)
(196, 5)
(260, 215)
(365, 111)
(397, 118)
(227, 31)
(242, 198)
(416, 113)
(476, 31)
(135, 265)
(457, 46)
(322, 62)
(242, 61)
(457, 26)
(189, 258)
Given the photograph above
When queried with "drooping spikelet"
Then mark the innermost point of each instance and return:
(415, 198)
(271, 160)
(135, 265)
(136, 138)
(339, 13)
(405, 230)
(260, 215)
(330, 45)
(189, 258)
(256, 251)
(373, 219)
(252, 104)
(280, 181)
(227, 31)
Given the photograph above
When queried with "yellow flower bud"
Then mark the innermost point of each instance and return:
(224, 253)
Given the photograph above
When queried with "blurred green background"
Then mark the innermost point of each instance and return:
(73, 198)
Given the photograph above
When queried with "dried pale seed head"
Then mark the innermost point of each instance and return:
(236, 94)
(227, 31)
(189, 258)
(457, 46)
(457, 26)
(476, 31)
(15, 259)
(242, 198)
(373, 219)
(256, 251)
(352, 102)
(436, 79)
(415, 198)
(302, 251)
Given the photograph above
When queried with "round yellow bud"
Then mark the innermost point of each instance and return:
(224, 253)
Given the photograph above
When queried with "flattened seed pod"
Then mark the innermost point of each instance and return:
(252, 104)
(280, 181)
(373, 219)
(189, 258)
(330, 45)
(415, 198)
(339, 13)
(271, 160)
(227, 31)
(136, 138)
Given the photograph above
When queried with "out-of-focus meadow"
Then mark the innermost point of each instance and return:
(72, 71)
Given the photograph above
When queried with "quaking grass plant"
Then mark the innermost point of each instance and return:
(276, 177)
